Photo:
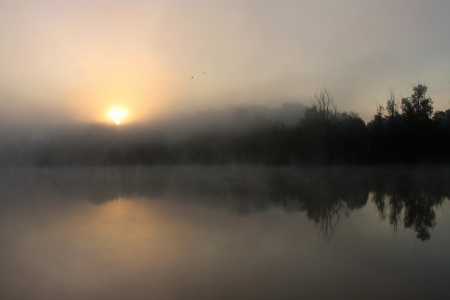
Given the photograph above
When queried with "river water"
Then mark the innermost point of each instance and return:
(225, 232)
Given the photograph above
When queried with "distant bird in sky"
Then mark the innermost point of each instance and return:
(192, 76)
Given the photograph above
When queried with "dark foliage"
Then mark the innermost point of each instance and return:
(322, 136)
(412, 136)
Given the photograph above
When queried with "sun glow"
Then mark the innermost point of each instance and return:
(117, 115)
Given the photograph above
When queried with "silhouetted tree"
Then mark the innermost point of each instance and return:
(377, 141)
(418, 107)
(324, 109)
(318, 131)
(391, 105)
(410, 137)
(322, 136)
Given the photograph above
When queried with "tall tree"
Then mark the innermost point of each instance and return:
(323, 109)
(418, 107)
(391, 105)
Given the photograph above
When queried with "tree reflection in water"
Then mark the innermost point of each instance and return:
(398, 193)
(414, 198)
(326, 195)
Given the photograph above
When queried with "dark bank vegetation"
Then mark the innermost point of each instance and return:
(403, 132)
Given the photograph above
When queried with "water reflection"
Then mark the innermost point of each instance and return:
(223, 233)
(412, 199)
(404, 196)
(410, 195)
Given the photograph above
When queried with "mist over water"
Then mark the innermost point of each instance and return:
(224, 232)
(290, 135)
(224, 149)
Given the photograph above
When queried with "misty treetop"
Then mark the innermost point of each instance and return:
(322, 135)
(414, 135)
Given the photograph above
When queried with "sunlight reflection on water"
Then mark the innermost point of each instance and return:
(197, 245)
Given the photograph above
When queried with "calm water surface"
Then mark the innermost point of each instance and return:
(225, 233)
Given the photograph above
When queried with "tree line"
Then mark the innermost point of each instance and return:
(403, 132)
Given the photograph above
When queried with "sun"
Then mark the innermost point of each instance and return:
(117, 114)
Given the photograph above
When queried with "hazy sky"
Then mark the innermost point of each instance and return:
(73, 61)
